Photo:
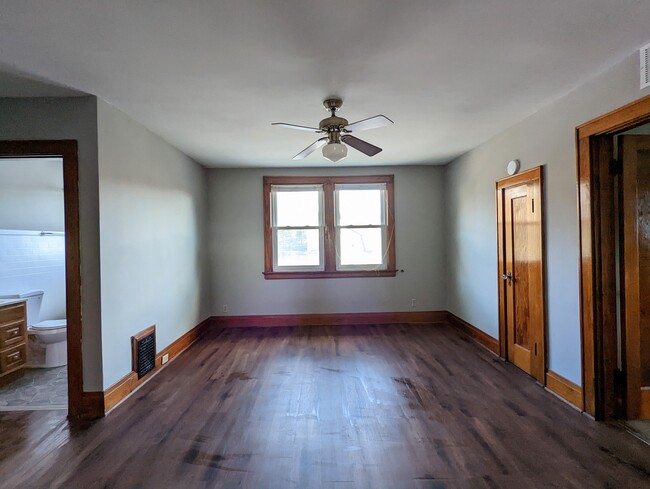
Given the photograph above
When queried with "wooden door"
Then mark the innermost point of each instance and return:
(636, 273)
(521, 272)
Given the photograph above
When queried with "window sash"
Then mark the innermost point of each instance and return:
(360, 186)
(383, 226)
(275, 189)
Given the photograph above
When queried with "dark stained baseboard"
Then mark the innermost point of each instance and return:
(567, 390)
(335, 319)
(472, 331)
(127, 384)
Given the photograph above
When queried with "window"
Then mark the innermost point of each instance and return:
(324, 227)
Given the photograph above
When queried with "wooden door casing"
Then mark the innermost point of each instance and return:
(522, 317)
(636, 273)
(594, 152)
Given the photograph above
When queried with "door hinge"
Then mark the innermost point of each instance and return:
(533, 205)
(615, 167)
(535, 349)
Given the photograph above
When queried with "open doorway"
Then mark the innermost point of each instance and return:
(33, 325)
(614, 204)
(79, 404)
(633, 291)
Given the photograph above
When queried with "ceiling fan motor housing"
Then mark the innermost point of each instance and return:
(333, 123)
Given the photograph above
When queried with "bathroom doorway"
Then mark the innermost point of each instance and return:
(80, 404)
(33, 326)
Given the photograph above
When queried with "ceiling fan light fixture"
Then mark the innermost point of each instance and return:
(335, 152)
(338, 137)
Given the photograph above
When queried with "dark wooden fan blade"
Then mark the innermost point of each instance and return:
(310, 149)
(360, 145)
(294, 126)
(369, 123)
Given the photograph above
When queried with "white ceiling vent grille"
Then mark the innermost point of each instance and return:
(645, 66)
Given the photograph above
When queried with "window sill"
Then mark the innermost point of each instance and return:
(339, 274)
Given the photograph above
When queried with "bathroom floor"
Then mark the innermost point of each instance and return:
(39, 388)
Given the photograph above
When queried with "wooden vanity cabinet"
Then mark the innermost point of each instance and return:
(13, 341)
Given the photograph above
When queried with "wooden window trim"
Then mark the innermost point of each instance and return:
(330, 270)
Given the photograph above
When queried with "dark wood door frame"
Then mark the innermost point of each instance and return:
(67, 150)
(534, 174)
(596, 214)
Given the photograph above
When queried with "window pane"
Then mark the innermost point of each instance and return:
(297, 208)
(361, 246)
(361, 207)
(298, 247)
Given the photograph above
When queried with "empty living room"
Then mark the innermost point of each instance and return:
(275, 244)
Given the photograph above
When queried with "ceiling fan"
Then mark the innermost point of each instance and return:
(337, 130)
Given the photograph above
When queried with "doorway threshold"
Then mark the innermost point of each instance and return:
(640, 429)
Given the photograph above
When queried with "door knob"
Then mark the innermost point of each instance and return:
(507, 276)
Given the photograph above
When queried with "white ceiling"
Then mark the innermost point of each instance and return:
(210, 76)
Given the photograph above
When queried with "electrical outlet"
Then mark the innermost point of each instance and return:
(165, 358)
(225, 308)
(412, 302)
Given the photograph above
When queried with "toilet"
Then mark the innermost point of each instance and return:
(47, 344)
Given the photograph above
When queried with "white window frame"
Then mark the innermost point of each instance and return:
(275, 189)
(383, 226)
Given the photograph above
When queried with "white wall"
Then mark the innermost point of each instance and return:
(30, 261)
(70, 118)
(546, 138)
(31, 194)
(153, 212)
(31, 201)
(237, 249)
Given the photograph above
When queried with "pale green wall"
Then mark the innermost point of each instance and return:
(71, 118)
(546, 138)
(237, 249)
(153, 210)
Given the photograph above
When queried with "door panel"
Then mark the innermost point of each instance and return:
(517, 223)
(520, 225)
(521, 291)
(636, 275)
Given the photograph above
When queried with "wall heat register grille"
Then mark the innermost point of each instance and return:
(144, 351)
(645, 66)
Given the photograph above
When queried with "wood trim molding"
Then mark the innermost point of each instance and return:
(337, 319)
(330, 230)
(481, 337)
(339, 274)
(567, 390)
(630, 115)
(519, 178)
(90, 407)
(116, 393)
(80, 404)
(594, 148)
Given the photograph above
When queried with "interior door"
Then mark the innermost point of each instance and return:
(521, 271)
(636, 273)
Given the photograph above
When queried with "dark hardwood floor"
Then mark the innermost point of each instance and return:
(397, 406)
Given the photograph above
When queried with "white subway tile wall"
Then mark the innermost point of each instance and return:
(30, 261)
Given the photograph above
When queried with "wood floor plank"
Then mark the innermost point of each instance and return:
(386, 406)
